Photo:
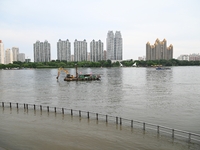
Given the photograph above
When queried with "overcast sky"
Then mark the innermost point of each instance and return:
(23, 22)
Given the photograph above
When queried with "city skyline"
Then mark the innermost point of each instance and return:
(139, 22)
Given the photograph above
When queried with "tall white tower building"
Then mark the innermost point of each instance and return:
(118, 46)
(8, 56)
(114, 45)
(1, 52)
(110, 45)
(64, 50)
(80, 50)
(96, 50)
(42, 51)
(15, 51)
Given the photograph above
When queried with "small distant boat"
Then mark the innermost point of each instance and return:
(162, 68)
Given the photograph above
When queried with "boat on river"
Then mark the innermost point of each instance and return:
(162, 68)
(82, 77)
(78, 77)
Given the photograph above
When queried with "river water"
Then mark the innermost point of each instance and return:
(165, 97)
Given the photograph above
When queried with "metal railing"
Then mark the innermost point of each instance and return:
(175, 133)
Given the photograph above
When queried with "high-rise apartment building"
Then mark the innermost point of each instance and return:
(114, 45)
(110, 45)
(80, 50)
(1, 52)
(96, 50)
(8, 56)
(15, 51)
(159, 50)
(42, 51)
(21, 57)
(64, 50)
(118, 46)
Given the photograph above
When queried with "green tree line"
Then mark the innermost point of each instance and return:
(58, 64)
(103, 63)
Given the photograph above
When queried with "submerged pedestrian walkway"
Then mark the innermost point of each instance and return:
(28, 128)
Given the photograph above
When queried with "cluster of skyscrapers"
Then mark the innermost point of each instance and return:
(42, 50)
(113, 52)
(9, 55)
(159, 50)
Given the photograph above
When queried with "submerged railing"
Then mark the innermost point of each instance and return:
(118, 120)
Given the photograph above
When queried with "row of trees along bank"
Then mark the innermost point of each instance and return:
(108, 63)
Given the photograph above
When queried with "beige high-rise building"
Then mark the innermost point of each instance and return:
(1, 52)
(8, 56)
(159, 50)
(15, 51)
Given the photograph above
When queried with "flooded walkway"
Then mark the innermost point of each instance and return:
(29, 129)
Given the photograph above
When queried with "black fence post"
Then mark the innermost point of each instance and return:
(62, 110)
(55, 109)
(71, 112)
(144, 126)
(10, 105)
(17, 105)
(40, 107)
(132, 123)
(97, 116)
(106, 118)
(88, 114)
(3, 104)
(47, 108)
(116, 120)
(158, 129)
(34, 106)
(79, 113)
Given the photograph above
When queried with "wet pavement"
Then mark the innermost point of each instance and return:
(22, 129)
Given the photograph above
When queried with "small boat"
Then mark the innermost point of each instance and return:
(162, 68)
(78, 77)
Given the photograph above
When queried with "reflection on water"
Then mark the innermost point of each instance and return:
(164, 97)
(158, 88)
